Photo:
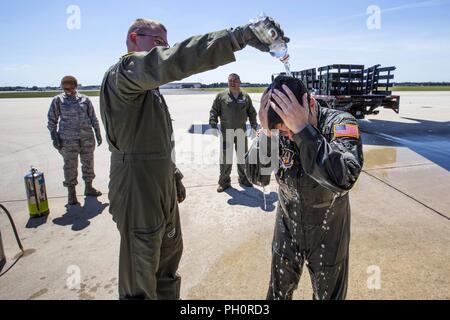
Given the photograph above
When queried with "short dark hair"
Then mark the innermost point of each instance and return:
(69, 80)
(234, 75)
(295, 85)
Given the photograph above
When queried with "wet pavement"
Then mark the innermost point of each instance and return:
(400, 211)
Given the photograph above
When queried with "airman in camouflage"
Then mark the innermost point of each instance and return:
(71, 119)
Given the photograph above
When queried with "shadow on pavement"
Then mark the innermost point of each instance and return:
(253, 198)
(430, 139)
(34, 223)
(78, 217)
(205, 129)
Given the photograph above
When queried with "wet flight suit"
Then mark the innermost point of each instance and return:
(142, 188)
(233, 113)
(313, 217)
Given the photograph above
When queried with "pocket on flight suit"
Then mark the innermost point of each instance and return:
(314, 195)
(118, 199)
(146, 250)
(313, 204)
(173, 225)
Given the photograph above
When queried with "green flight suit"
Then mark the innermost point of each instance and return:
(233, 113)
(315, 174)
(142, 189)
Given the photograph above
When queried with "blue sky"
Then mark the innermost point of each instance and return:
(38, 48)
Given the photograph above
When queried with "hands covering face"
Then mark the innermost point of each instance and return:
(295, 116)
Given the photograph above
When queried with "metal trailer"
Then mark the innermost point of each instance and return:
(351, 88)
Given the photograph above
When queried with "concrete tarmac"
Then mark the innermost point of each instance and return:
(400, 211)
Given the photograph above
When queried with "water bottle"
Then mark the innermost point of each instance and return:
(277, 46)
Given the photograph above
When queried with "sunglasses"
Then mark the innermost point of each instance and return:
(157, 39)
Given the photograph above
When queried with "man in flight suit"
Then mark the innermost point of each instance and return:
(144, 182)
(233, 107)
(71, 119)
(320, 156)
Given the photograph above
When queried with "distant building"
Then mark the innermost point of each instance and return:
(182, 85)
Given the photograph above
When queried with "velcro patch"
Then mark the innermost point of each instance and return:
(346, 130)
(287, 159)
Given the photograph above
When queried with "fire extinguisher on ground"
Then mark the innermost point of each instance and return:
(36, 193)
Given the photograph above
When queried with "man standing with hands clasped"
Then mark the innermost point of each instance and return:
(233, 107)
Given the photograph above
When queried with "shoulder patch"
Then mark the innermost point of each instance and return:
(346, 130)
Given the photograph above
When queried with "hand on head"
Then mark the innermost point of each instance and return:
(294, 115)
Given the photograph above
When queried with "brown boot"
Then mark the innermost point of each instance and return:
(91, 191)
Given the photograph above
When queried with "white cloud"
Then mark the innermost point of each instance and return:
(422, 4)
(430, 3)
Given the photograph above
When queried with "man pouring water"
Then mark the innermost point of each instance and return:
(145, 184)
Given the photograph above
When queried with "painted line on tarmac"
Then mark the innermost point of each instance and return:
(23, 149)
(403, 166)
(407, 195)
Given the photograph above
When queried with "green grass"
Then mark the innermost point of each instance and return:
(397, 88)
(421, 88)
(248, 90)
(49, 94)
(41, 94)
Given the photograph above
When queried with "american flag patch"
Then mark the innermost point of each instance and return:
(346, 130)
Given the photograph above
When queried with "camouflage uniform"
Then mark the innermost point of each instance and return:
(72, 119)
(233, 113)
(316, 172)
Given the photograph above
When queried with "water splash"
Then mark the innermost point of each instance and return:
(287, 67)
(334, 200)
(265, 198)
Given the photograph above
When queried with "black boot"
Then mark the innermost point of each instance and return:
(91, 191)
(224, 187)
(245, 183)
(72, 200)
